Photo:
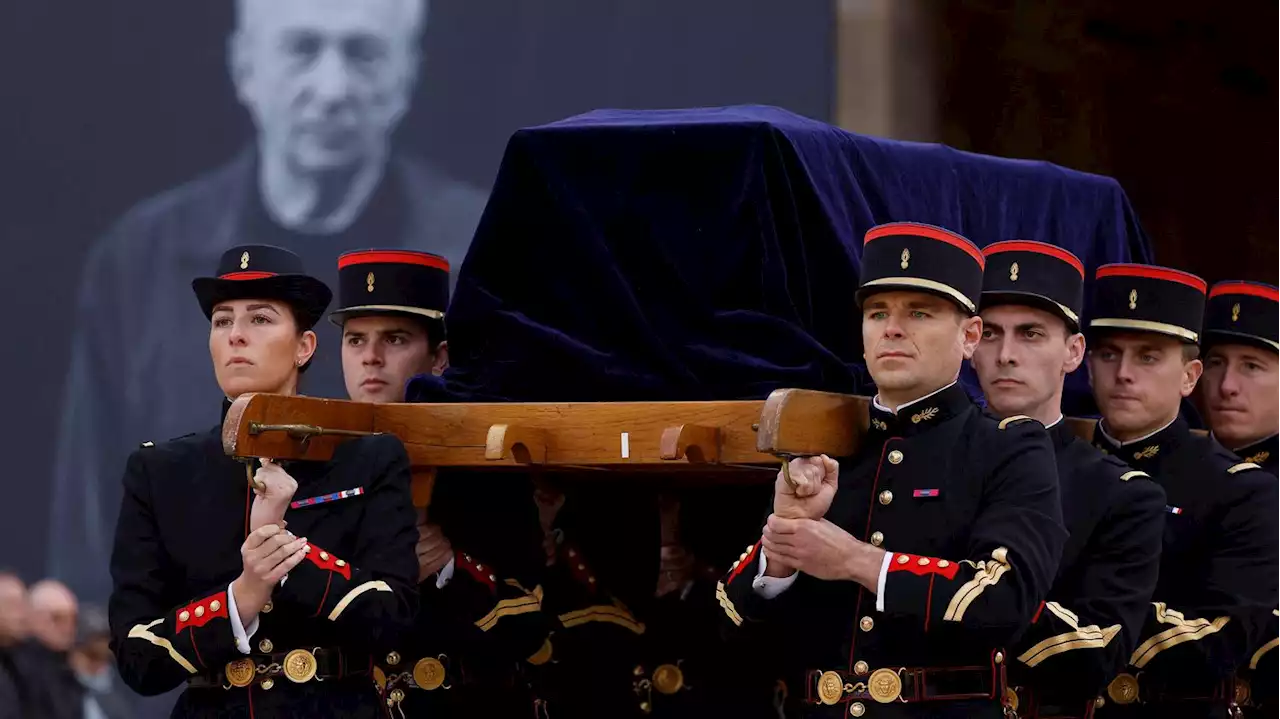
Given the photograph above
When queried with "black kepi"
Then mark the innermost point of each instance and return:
(264, 272)
(1241, 312)
(921, 258)
(1147, 298)
(1037, 274)
(391, 281)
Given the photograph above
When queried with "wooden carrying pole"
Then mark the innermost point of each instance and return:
(735, 439)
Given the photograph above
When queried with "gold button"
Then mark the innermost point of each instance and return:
(861, 668)
(999, 657)
(200, 611)
(215, 605)
(1099, 702)
(857, 709)
(571, 554)
(924, 561)
(268, 683)
(266, 608)
(265, 646)
(582, 567)
(943, 563)
(877, 538)
(393, 658)
(886, 497)
(467, 557)
(867, 624)
(184, 615)
(742, 557)
(340, 563)
(479, 567)
(324, 556)
(903, 559)
(735, 564)
(591, 580)
(895, 457)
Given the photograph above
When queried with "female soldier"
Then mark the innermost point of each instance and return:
(287, 625)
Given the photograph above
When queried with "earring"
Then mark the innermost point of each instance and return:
(299, 363)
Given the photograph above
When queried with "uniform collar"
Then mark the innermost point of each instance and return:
(1061, 433)
(919, 414)
(1260, 452)
(1145, 451)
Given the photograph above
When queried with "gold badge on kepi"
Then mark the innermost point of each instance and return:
(244, 261)
(428, 674)
(1133, 299)
(668, 679)
(1013, 272)
(1235, 312)
(368, 280)
(830, 688)
(240, 673)
(1123, 689)
(300, 666)
(885, 686)
(906, 259)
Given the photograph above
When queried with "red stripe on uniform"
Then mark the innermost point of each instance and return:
(393, 257)
(249, 275)
(1253, 289)
(1152, 272)
(1042, 248)
(933, 233)
(743, 564)
(1039, 609)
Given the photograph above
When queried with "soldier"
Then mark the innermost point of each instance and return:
(1031, 302)
(1241, 371)
(475, 626)
(902, 580)
(1241, 376)
(210, 588)
(1217, 581)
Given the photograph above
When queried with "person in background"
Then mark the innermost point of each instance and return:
(325, 84)
(477, 625)
(54, 692)
(13, 631)
(1241, 381)
(1218, 566)
(1032, 295)
(91, 660)
(213, 588)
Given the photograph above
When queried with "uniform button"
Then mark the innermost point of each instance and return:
(324, 556)
(265, 646)
(493, 578)
(867, 624)
(340, 563)
(268, 683)
(943, 563)
(924, 561)
(857, 709)
(393, 658)
(895, 457)
(215, 605)
(467, 557)
(266, 608)
(903, 559)
(582, 567)
(886, 497)
(200, 611)
(591, 580)
(735, 564)
(877, 538)
(184, 615)
(479, 567)
(861, 668)
(999, 657)
(1099, 702)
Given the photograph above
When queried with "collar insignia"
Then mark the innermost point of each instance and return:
(1147, 452)
(924, 415)
(1258, 458)
(878, 424)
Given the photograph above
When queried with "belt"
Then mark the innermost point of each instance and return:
(906, 685)
(298, 666)
(1127, 688)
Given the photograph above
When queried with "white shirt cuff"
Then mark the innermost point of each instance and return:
(884, 572)
(445, 574)
(241, 634)
(770, 587)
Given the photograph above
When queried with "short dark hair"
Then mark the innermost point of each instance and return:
(1190, 352)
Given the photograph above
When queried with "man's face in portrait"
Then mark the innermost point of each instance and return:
(326, 81)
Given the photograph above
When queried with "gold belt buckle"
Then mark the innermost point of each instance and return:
(830, 688)
(428, 673)
(884, 685)
(1123, 689)
(300, 666)
(240, 673)
(668, 679)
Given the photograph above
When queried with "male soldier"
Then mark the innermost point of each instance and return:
(1032, 295)
(902, 580)
(473, 630)
(1241, 371)
(1241, 376)
(1217, 581)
